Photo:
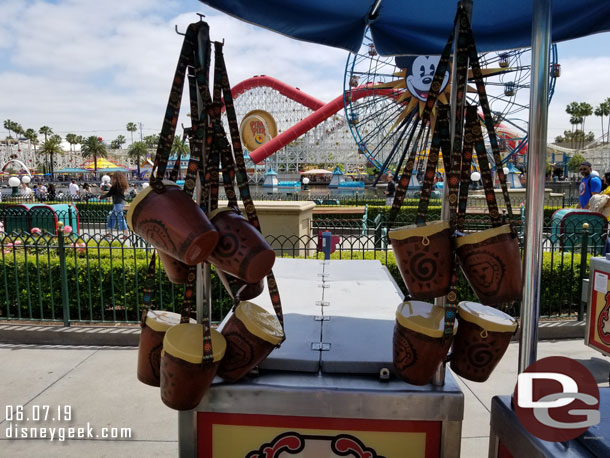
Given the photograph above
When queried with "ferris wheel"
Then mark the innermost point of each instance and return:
(377, 110)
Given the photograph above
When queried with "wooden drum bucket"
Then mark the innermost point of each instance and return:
(175, 270)
(242, 251)
(419, 343)
(155, 325)
(251, 334)
(184, 379)
(491, 261)
(481, 341)
(173, 223)
(423, 255)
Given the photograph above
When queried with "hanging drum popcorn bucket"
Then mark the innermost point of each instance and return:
(251, 334)
(239, 288)
(482, 339)
(175, 270)
(173, 223)
(154, 326)
(491, 261)
(242, 251)
(419, 341)
(423, 255)
(185, 378)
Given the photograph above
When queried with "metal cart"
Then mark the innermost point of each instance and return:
(329, 389)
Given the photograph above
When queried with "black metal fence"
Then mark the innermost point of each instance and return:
(95, 274)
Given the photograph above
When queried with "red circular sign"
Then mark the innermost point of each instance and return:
(576, 403)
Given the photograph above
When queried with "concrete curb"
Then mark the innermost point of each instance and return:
(74, 335)
(129, 335)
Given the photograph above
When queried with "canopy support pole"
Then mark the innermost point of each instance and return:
(439, 375)
(536, 170)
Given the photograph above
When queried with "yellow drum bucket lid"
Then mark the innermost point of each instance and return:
(423, 317)
(413, 230)
(162, 320)
(139, 198)
(185, 341)
(259, 322)
(478, 237)
(486, 317)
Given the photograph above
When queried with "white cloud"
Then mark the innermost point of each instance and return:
(90, 67)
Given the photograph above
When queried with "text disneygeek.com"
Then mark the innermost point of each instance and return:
(21, 424)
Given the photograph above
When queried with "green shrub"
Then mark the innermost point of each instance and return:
(99, 288)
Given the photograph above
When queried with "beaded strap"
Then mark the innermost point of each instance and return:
(149, 289)
(435, 87)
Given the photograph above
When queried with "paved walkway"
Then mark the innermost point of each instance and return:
(100, 386)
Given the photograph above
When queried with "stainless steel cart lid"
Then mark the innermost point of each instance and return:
(339, 316)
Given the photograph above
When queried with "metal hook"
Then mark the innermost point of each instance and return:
(179, 33)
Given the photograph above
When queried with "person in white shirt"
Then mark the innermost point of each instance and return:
(73, 189)
(26, 191)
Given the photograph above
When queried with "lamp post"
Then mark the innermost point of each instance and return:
(14, 183)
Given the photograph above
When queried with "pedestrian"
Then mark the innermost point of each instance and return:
(51, 191)
(589, 185)
(118, 188)
(87, 192)
(390, 190)
(74, 190)
(26, 191)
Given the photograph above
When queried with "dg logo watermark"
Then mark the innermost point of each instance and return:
(557, 399)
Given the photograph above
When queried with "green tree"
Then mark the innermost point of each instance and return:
(46, 131)
(50, 148)
(136, 152)
(575, 161)
(93, 147)
(131, 128)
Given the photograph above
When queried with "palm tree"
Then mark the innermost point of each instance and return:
(51, 147)
(71, 139)
(117, 142)
(585, 109)
(179, 148)
(93, 147)
(8, 125)
(606, 104)
(136, 152)
(32, 136)
(151, 141)
(131, 127)
(46, 131)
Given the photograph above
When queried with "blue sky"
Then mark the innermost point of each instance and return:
(90, 67)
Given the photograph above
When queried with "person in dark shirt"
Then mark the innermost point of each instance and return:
(391, 189)
(116, 219)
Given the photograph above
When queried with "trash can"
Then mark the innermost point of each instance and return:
(509, 439)
(24, 217)
(567, 230)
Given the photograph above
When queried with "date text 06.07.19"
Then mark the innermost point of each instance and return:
(35, 412)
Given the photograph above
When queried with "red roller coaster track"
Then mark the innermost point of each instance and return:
(322, 111)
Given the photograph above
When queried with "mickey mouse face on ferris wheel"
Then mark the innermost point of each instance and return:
(420, 72)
